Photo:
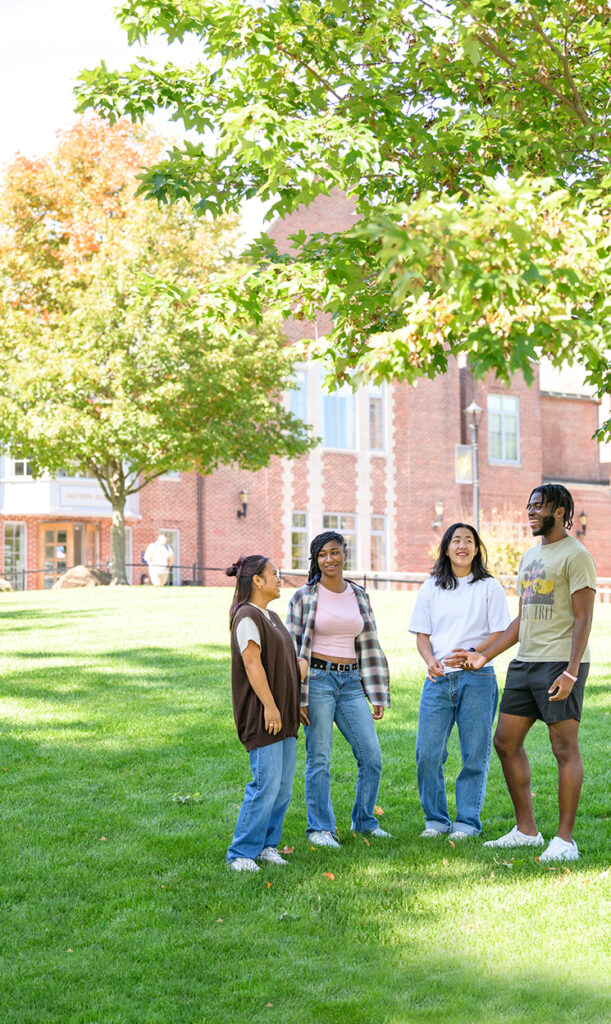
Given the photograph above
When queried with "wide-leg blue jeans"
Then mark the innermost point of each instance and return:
(266, 799)
(469, 699)
(339, 697)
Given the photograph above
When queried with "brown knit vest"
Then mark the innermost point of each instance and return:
(279, 660)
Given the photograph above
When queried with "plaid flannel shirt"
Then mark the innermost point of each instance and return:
(371, 659)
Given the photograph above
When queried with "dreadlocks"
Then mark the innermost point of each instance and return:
(558, 497)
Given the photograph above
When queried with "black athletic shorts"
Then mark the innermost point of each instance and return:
(526, 693)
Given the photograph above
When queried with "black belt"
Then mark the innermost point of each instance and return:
(331, 666)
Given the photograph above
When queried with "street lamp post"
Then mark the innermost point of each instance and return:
(474, 412)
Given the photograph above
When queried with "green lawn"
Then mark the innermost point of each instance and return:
(116, 905)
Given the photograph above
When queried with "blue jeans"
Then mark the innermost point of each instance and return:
(469, 699)
(266, 799)
(339, 697)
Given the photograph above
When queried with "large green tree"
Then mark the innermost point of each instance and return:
(472, 137)
(125, 350)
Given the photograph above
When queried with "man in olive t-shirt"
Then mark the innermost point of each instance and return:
(546, 680)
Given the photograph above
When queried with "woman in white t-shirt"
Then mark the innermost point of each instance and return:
(460, 606)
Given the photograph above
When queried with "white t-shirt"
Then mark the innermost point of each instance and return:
(247, 629)
(157, 555)
(462, 617)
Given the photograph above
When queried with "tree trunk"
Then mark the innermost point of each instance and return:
(117, 538)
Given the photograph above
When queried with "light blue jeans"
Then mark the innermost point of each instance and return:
(469, 699)
(266, 799)
(339, 697)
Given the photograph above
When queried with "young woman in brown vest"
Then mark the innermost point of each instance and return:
(265, 684)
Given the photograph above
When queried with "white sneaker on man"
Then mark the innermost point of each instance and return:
(560, 849)
(271, 855)
(378, 833)
(324, 839)
(242, 864)
(430, 833)
(459, 834)
(516, 838)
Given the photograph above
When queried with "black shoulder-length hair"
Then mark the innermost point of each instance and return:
(244, 569)
(442, 571)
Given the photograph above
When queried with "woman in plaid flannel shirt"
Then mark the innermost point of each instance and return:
(334, 631)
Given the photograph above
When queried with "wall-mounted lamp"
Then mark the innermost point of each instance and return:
(583, 522)
(438, 520)
(243, 502)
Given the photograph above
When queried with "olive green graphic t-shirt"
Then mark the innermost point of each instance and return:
(548, 575)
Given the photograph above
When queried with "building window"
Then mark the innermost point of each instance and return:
(378, 543)
(339, 418)
(503, 429)
(298, 397)
(14, 562)
(172, 474)
(22, 468)
(346, 525)
(376, 418)
(72, 474)
(299, 540)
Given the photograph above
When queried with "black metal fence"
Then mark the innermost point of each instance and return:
(194, 575)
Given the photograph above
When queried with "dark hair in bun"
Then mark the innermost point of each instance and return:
(244, 569)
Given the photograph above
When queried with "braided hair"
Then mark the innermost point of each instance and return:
(317, 544)
(244, 569)
(558, 497)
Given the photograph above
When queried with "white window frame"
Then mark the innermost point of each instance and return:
(299, 530)
(298, 397)
(345, 393)
(378, 533)
(504, 460)
(24, 527)
(26, 465)
(377, 393)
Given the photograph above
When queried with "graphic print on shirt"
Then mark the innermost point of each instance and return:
(536, 590)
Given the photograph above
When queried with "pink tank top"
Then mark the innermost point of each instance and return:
(338, 622)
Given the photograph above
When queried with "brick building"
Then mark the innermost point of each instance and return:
(384, 475)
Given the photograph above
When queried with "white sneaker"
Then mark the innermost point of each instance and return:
(242, 864)
(324, 839)
(560, 849)
(516, 838)
(430, 833)
(271, 855)
(459, 834)
(378, 833)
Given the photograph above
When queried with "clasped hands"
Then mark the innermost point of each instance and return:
(458, 659)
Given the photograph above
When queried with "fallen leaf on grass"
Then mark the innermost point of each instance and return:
(445, 862)
(103, 839)
(268, 885)
(329, 874)
(354, 835)
(567, 871)
(287, 849)
(220, 920)
(452, 843)
(68, 951)
(365, 840)
(378, 810)
(269, 1004)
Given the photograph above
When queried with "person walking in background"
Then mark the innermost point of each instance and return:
(159, 558)
(546, 679)
(460, 599)
(265, 678)
(343, 666)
